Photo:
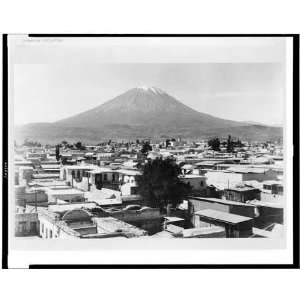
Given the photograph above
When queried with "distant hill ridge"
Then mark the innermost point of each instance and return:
(143, 112)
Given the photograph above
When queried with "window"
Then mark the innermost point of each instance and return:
(201, 183)
(43, 228)
(32, 227)
(50, 234)
(22, 227)
(105, 177)
(133, 190)
(113, 177)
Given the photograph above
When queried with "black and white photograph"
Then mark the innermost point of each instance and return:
(151, 143)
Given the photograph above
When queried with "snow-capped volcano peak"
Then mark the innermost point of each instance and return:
(152, 89)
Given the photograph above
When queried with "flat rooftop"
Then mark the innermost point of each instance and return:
(44, 175)
(129, 172)
(208, 163)
(113, 225)
(272, 182)
(191, 176)
(242, 189)
(23, 162)
(222, 216)
(64, 191)
(71, 206)
(221, 201)
(50, 166)
(250, 170)
(202, 231)
(102, 170)
(47, 182)
(279, 204)
(173, 219)
(81, 167)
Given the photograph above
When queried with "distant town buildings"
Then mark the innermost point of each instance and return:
(93, 192)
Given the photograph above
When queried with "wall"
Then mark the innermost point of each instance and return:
(242, 196)
(246, 211)
(195, 183)
(83, 185)
(16, 178)
(128, 189)
(232, 231)
(25, 175)
(22, 197)
(148, 219)
(26, 224)
(223, 177)
(268, 215)
(268, 197)
(136, 215)
(269, 175)
(68, 197)
(49, 227)
(231, 178)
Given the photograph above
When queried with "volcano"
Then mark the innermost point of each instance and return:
(144, 112)
(145, 106)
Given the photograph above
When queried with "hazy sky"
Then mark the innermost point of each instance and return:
(237, 91)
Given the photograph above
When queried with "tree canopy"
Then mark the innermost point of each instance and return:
(230, 144)
(214, 144)
(159, 184)
(79, 146)
(57, 152)
(146, 148)
(30, 143)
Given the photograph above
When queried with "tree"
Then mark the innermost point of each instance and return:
(239, 144)
(146, 148)
(159, 184)
(57, 154)
(79, 146)
(214, 144)
(230, 144)
(29, 143)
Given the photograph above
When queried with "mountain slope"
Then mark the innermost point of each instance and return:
(145, 106)
(139, 113)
